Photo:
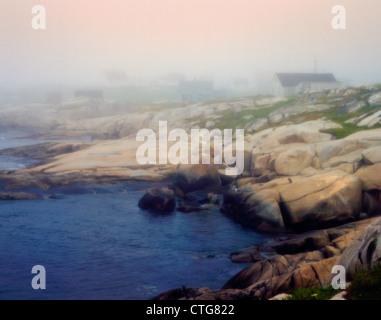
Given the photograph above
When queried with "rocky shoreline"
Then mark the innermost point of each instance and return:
(313, 191)
(299, 261)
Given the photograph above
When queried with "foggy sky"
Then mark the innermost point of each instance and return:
(200, 38)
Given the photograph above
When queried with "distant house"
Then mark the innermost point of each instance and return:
(196, 91)
(93, 94)
(288, 84)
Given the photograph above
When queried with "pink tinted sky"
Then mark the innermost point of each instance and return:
(201, 38)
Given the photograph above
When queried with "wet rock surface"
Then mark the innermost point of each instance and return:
(297, 261)
(158, 200)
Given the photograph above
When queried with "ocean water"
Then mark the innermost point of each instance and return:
(95, 243)
(100, 245)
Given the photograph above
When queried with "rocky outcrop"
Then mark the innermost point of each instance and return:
(372, 155)
(329, 198)
(289, 150)
(297, 176)
(291, 162)
(370, 177)
(296, 203)
(375, 99)
(259, 211)
(197, 177)
(44, 151)
(371, 120)
(364, 252)
(159, 200)
(282, 273)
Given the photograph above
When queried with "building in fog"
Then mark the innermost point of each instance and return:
(93, 94)
(196, 91)
(289, 84)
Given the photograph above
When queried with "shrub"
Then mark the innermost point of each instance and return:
(366, 285)
(314, 293)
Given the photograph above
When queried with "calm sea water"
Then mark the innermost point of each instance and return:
(95, 243)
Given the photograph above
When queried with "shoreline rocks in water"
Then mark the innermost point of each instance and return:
(191, 178)
(158, 200)
(18, 196)
(288, 269)
(191, 185)
(297, 178)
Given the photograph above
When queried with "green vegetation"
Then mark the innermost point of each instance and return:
(239, 120)
(337, 112)
(338, 115)
(366, 285)
(346, 131)
(314, 293)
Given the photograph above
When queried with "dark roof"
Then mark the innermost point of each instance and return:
(293, 79)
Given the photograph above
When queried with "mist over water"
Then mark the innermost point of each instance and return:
(103, 70)
(92, 42)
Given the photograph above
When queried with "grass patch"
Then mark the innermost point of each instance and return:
(314, 293)
(366, 285)
(346, 131)
(238, 121)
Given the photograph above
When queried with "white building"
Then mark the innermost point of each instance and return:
(289, 84)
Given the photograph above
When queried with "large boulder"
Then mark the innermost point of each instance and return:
(197, 177)
(160, 200)
(370, 177)
(326, 199)
(296, 203)
(260, 164)
(294, 160)
(258, 271)
(372, 155)
(364, 252)
(259, 210)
